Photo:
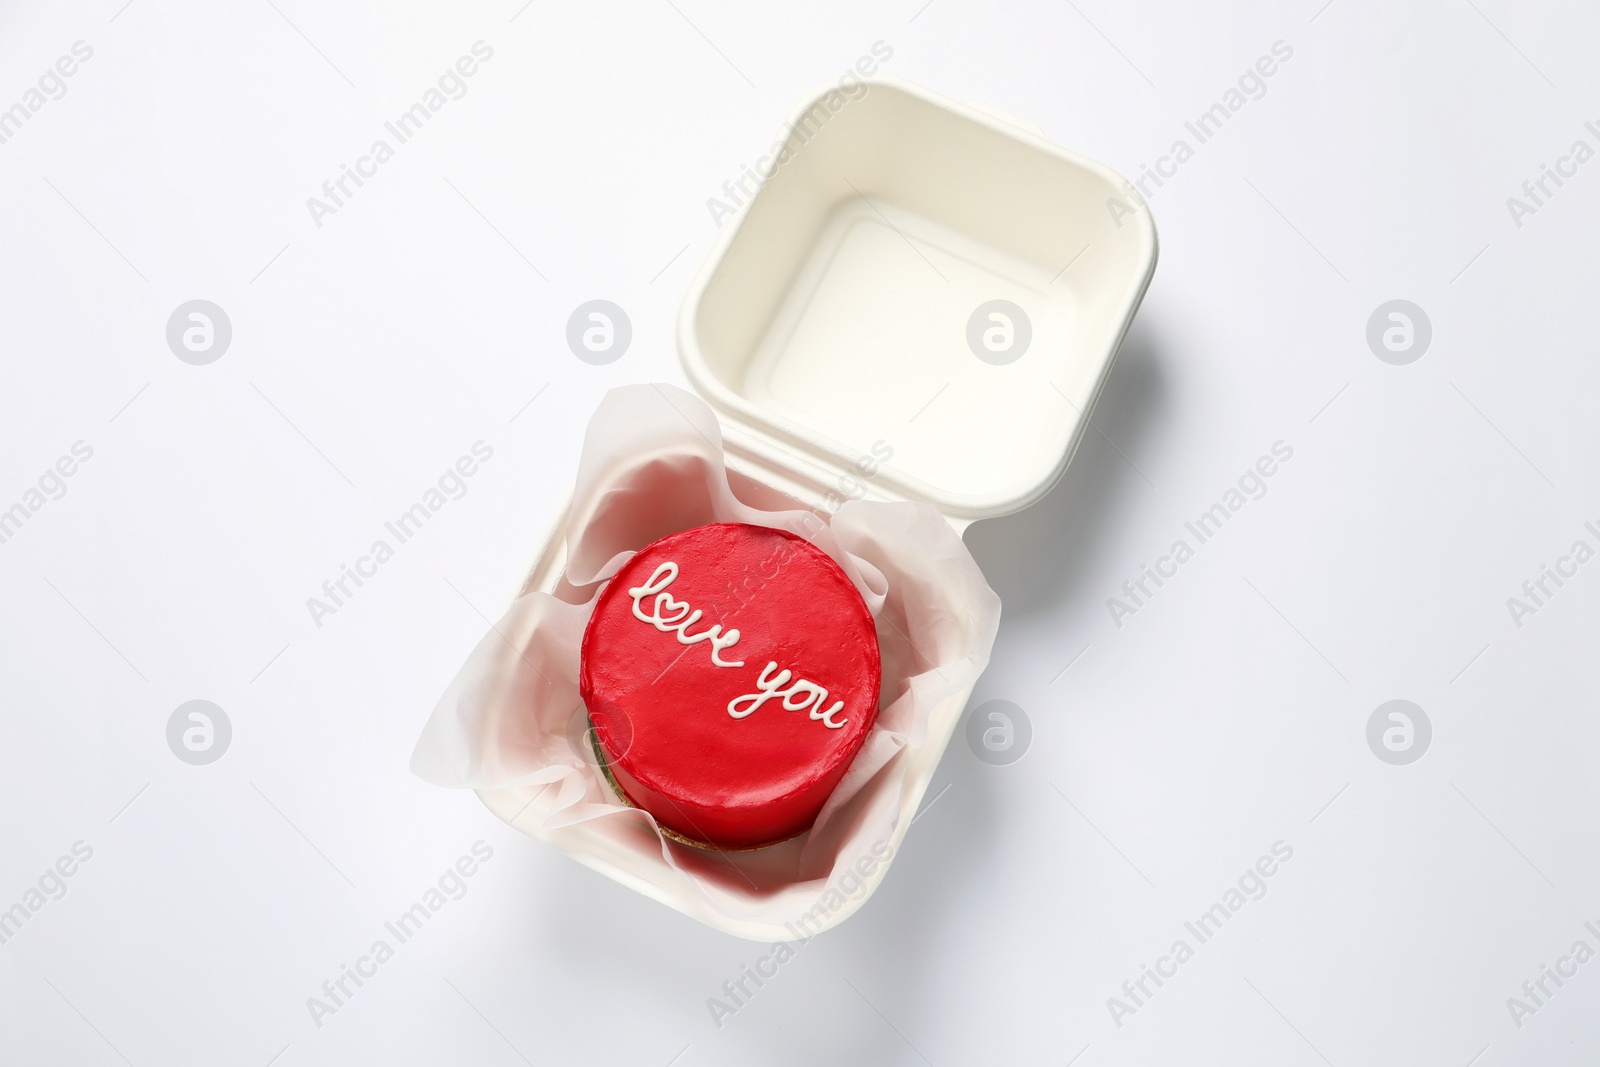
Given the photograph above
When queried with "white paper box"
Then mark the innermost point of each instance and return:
(834, 312)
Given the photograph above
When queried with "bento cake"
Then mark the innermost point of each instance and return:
(731, 673)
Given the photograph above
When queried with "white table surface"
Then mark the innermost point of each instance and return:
(1168, 753)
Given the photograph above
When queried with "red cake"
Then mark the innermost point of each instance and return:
(731, 673)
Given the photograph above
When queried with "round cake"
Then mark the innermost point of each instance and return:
(731, 673)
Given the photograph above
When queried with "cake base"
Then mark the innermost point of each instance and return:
(704, 846)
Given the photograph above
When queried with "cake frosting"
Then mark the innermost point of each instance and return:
(731, 673)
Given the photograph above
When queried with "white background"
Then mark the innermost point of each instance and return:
(1228, 714)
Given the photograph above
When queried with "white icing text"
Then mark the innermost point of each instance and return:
(670, 615)
(798, 697)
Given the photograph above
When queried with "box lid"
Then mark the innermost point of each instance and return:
(920, 301)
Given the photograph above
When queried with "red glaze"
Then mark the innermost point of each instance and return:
(660, 707)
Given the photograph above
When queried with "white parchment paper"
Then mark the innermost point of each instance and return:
(652, 464)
